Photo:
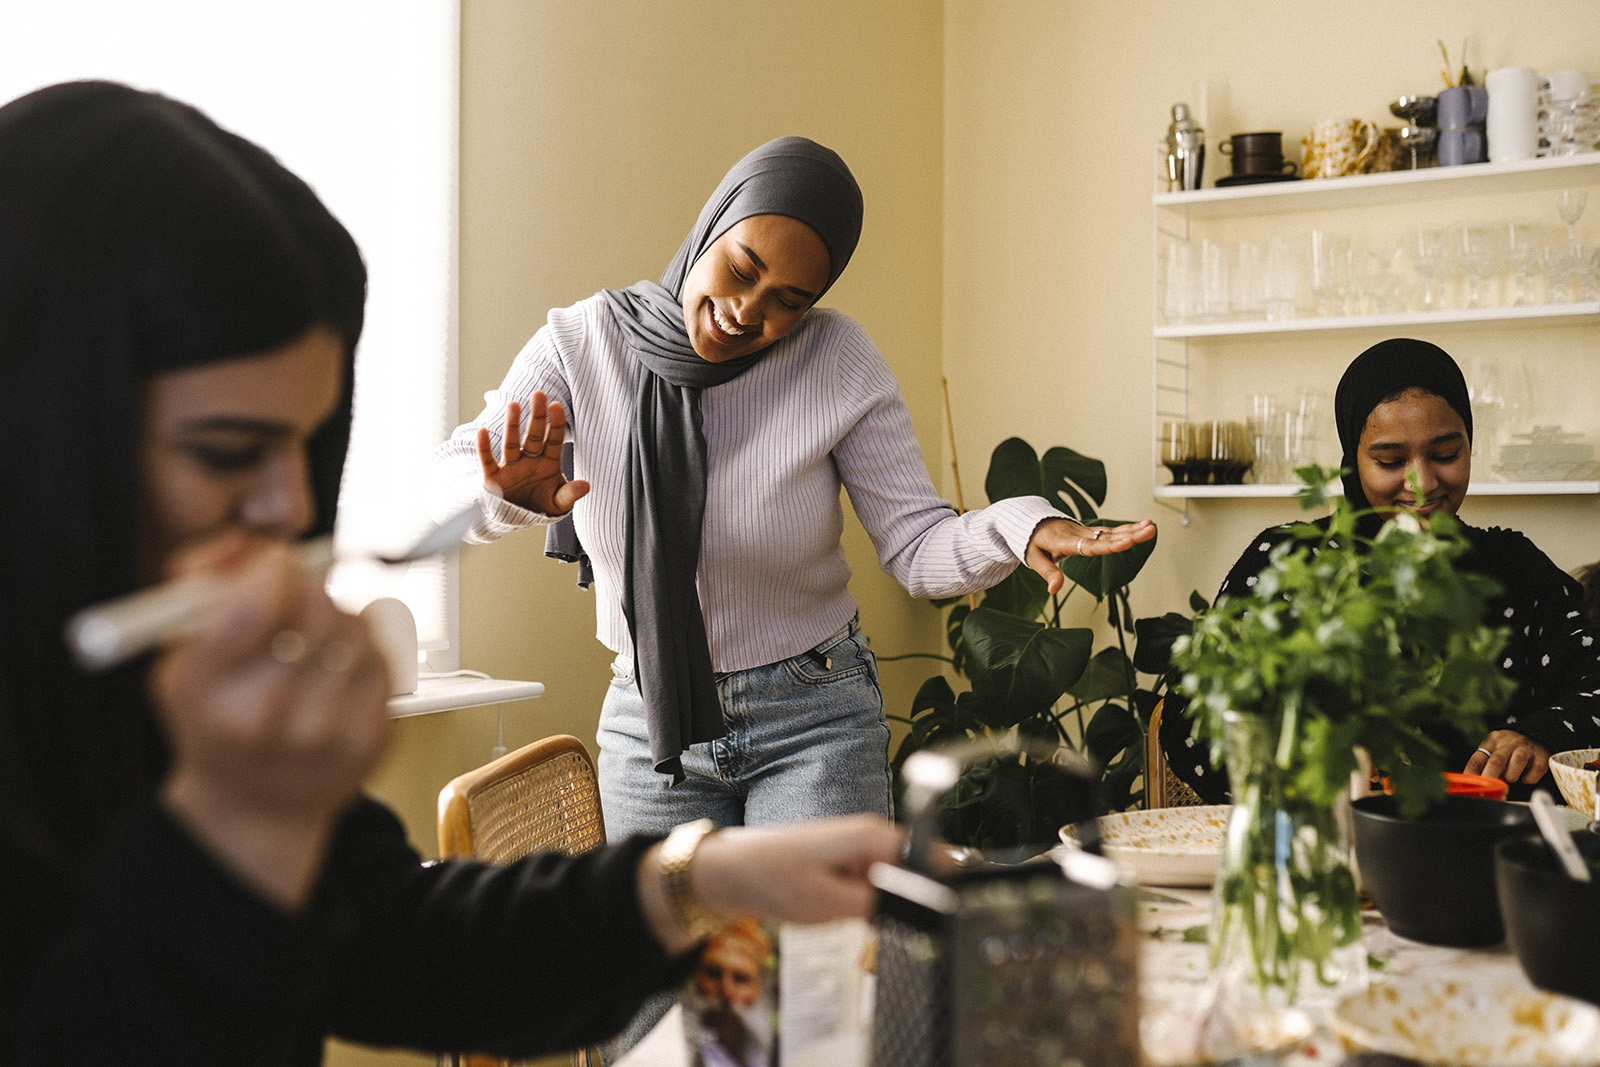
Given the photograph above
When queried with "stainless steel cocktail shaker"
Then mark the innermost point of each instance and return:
(1186, 150)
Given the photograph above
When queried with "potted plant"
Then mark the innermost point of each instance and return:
(1358, 637)
(1035, 680)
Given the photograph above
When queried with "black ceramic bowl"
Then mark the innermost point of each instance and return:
(1433, 876)
(1552, 922)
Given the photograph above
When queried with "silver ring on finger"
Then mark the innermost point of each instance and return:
(1485, 751)
(1098, 530)
(1080, 546)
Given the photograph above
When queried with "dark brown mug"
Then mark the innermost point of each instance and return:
(1264, 143)
(1258, 165)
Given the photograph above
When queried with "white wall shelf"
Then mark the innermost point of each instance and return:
(1237, 492)
(1394, 187)
(1340, 323)
(457, 692)
(1171, 364)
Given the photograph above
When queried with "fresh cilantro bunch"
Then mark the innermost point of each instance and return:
(1350, 642)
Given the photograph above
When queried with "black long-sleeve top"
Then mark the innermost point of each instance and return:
(1552, 654)
(145, 951)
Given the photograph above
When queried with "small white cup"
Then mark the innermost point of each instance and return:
(1565, 84)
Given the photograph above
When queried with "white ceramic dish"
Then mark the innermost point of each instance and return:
(1167, 846)
(1575, 783)
(1488, 1022)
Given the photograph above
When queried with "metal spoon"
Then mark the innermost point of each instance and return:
(104, 635)
(1556, 834)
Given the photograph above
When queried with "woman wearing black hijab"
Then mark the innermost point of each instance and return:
(190, 872)
(717, 415)
(1401, 407)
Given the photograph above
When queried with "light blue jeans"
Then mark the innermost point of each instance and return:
(806, 738)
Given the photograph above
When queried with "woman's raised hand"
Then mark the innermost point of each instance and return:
(276, 710)
(528, 473)
(1054, 540)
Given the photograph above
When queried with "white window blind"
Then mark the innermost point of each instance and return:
(360, 98)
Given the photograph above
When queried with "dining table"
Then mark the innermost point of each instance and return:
(1455, 1006)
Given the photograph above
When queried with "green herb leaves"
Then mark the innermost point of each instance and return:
(1356, 635)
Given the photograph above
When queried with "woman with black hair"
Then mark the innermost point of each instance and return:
(1402, 408)
(191, 874)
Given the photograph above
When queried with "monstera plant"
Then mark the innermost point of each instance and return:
(1038, 683)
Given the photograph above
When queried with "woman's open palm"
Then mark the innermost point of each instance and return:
(528, 473)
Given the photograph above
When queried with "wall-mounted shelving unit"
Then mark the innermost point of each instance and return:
(1175, 213)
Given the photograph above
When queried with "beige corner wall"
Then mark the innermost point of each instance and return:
(591, 134)
(1053, 109)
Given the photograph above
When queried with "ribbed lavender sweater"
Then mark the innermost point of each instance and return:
(821, 410)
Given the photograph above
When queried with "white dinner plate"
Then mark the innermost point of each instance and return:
(1484, 1022)
(1167, 846)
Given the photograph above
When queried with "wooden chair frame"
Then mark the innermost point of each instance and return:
(544, 797)
(1162, 788)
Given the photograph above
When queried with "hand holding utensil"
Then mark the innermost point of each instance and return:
(113, 632)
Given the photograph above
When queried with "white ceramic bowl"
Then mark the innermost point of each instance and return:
(1167, 846)
(1486, 1021)
(1575, 783)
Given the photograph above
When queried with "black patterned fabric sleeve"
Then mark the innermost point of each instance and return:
(1552, 652)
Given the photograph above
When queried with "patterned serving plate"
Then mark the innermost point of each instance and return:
(1167, 846)
(1486, 1022)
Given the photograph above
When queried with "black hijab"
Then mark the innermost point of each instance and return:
(1388, 366)
(790, 176)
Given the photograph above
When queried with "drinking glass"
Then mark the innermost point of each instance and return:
(1263, 442)
(1177, 450)
(1564, 265)
(1432, 256)
(1382, 279)
(1231, 455)
(1214, 289)
(1330, 271)
(1249, 298)
(1180, 300)
(1480, 259)
(1524, 255)
(1283, 279)
(1570, 205)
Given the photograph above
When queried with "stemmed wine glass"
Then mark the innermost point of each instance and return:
(1524, 254)
(1432, 258)
(1480, 259)
(1570, 205)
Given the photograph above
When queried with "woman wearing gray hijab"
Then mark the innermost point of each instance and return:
(716, 416)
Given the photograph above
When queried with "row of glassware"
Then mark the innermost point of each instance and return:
(1265, 448)
(1329, 272)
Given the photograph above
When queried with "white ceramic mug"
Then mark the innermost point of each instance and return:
(1336, 147)
(1513, 122)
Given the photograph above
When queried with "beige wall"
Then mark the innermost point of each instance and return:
(591, 133)
(1005, 151)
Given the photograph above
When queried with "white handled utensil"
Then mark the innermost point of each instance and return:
(107, 634)
(1556, 834)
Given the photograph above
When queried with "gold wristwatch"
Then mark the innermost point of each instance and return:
(676, 862)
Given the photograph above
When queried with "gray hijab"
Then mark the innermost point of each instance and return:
(791, 176)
